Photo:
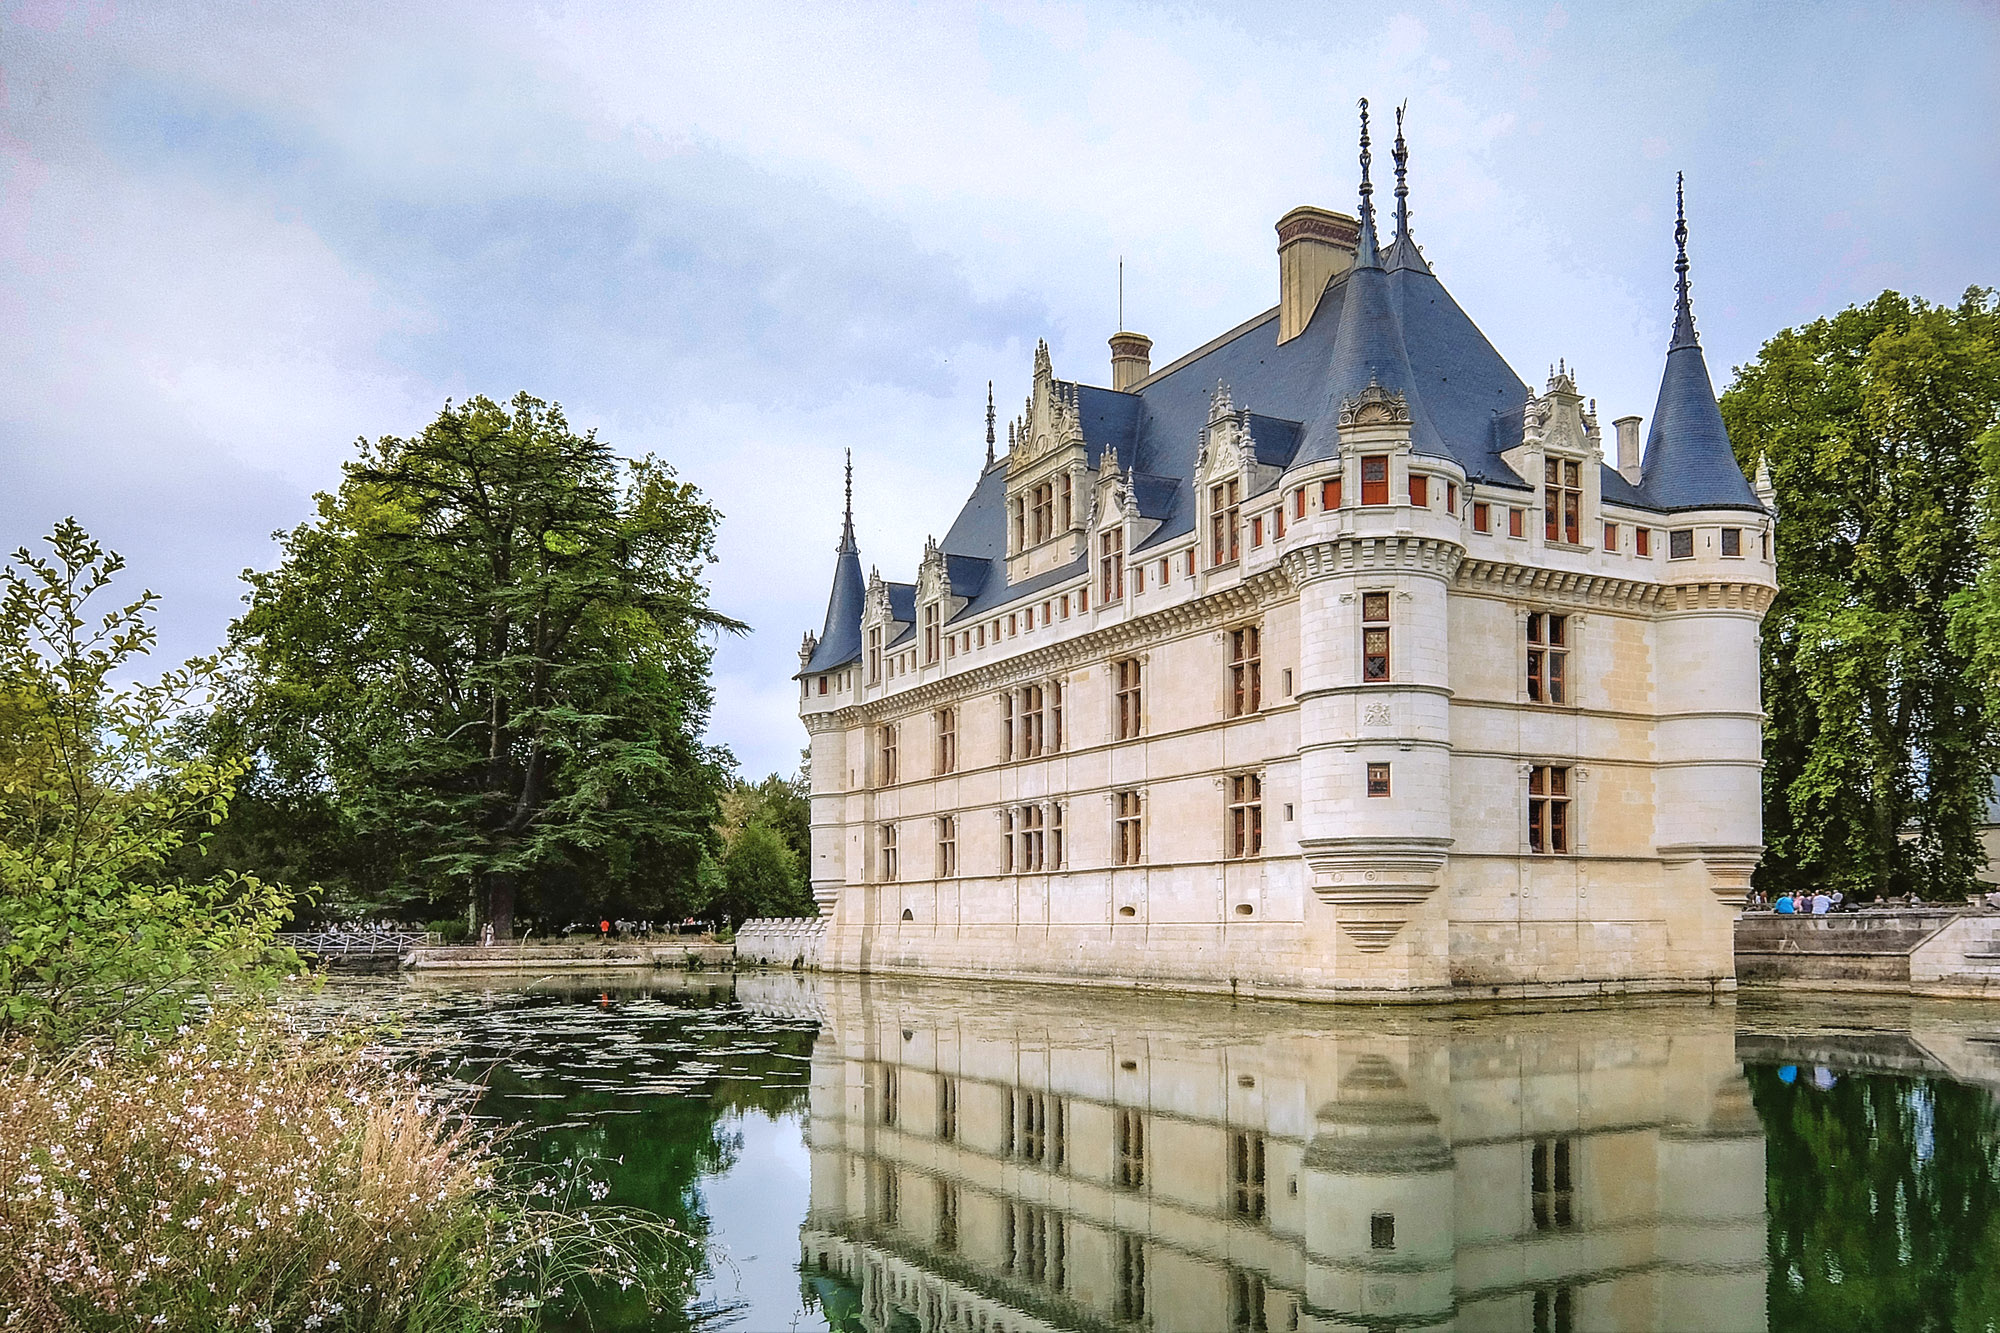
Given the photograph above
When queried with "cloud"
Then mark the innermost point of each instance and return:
(234, 236)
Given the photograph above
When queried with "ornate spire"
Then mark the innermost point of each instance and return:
(847, 520)
(989, 423)
(1684, 335)
(1367, 192)
(1402, 155)
(1403, 252)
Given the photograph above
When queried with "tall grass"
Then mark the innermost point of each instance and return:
(247, 1176)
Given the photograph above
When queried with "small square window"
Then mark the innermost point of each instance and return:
(1732, 541)
(1451, 497)
(1378, 779)
(1610, 536)
(1329, 494)
(1642, 541)
(1382, 1231)
(1482, 517)
(1257, 530)
(1517, 522)
(1420, 491)
(1680, 544)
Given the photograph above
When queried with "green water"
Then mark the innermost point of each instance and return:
(908, 1157)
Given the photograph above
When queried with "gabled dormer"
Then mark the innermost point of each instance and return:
(1227, 474)
(884, 617)
(1561, 454)
(935, 604)
(1048, 476)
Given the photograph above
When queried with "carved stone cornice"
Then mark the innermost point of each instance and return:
(1561, 587)
(1728, 866)
(820, 722)
(1566, 587)
(1373, 882)
(1212, 610)
(1683, 598)
(1350, 554)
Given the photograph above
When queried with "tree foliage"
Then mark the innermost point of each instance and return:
(97, 932)
(1879, 745)
(766, 833)
(490, 653)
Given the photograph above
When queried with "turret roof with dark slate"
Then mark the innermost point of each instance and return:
(840, 640)
(1689, 463)
(1387, 319)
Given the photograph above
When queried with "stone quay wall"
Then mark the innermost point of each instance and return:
(1942, 951)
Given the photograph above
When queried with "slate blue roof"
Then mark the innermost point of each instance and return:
(1689, 464)
(1388, 319)
(1369, 349)
(840, 641)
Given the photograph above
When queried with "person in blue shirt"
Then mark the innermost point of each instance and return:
(1784, 904)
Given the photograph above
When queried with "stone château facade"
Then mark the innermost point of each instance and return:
(1328, 661)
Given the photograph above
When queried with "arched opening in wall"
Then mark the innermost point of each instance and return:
(1128, 911)
(1245, 909)
(908, 915)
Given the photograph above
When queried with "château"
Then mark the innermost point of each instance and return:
(1329, 661)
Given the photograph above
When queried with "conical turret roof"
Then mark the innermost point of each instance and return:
(1369, 347)
(840, 640)
(1689, 463)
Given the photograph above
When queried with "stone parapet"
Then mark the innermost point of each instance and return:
(782, 941)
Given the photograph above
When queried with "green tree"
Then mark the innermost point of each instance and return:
(492, 649)
(97, 934)
(1879, 745)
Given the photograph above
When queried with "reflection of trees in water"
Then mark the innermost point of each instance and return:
(657, 1147)
(1882, 1194)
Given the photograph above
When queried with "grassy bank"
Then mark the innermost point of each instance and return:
(245, 1176)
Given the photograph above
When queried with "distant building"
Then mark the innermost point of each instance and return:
(1327, 660)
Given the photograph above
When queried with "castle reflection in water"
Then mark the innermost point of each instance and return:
(995, 1163)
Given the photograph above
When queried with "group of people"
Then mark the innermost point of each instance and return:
(1819, 904)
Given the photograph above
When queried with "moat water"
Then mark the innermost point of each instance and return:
(905, 1157)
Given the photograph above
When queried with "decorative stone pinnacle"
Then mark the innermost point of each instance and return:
(1367, 186)
(1684, 334)
(1402, 155)
(989, 423)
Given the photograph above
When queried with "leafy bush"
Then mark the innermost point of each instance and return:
(244, 1176)
(451, 929)
(96, 798)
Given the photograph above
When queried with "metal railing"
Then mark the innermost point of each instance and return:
(353, 943)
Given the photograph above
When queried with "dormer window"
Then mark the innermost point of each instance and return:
(1042, 512)
(1068, 502)
(1111, 564)
(1562, 501)
(875, 655)
(1375, 479)
(1225, 504)
(930, 634)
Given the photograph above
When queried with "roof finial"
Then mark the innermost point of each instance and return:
(1402, 155)
(989, 423)
(847, 523)
(1684, 335)
(1367, 187)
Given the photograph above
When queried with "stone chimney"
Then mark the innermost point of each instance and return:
(1131, 359)
(1628, 448)
(1315, 245)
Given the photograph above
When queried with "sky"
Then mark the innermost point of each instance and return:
(235, 237)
